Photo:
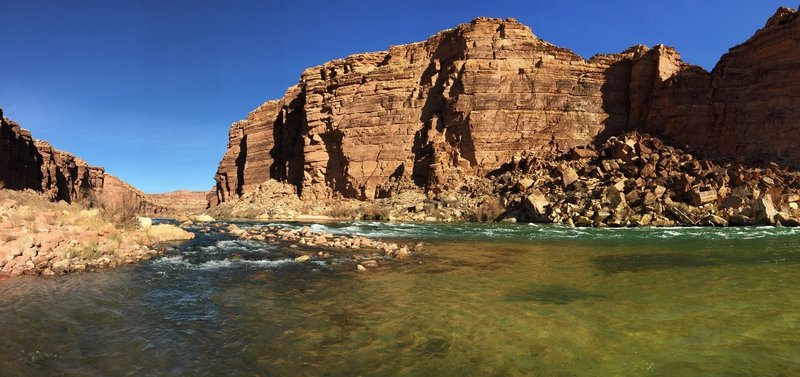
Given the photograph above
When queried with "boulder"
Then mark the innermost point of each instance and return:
(732, 201)
(144, 222)
(713, 220)
(763, 211)
(786, 220)
(568, 176)
(61, 267)
(524, 184)
(167, 232)
(699, 198)
(536, 203)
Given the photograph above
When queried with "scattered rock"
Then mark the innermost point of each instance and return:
(203, 218)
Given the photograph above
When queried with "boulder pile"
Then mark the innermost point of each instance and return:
(637, 180)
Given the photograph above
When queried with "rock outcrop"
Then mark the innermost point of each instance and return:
(473, 96)
(28, 163)
(20, 162)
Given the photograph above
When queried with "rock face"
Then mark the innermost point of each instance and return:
(27, 163)
(473, 96)
(20, 162)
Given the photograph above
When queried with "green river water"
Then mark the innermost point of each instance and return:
(479, 300)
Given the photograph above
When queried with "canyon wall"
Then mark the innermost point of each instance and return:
(20, 162)
(474, 96)
(180, 202)
(27, 163)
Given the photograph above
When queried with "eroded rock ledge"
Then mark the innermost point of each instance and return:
(472, 97)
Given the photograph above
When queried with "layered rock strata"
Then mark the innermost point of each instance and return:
(473, 96)
(181, 201)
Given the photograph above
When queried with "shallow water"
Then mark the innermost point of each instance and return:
(480, 300)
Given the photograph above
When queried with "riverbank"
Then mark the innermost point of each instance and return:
(628, 181)
(40, 237)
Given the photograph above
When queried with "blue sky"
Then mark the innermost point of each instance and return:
(148, 89)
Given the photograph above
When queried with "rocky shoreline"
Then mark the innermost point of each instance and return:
(627, 181)
(39, 237)
(637, 180)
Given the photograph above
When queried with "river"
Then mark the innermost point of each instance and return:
(479, 300)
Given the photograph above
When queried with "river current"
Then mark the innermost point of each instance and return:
(478, 300)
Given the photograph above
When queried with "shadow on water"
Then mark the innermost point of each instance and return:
(612, 264)
(549, 294)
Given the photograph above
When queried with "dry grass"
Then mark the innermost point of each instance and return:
(29, 204)
(343, 210)
(361, 210)
(34, 210)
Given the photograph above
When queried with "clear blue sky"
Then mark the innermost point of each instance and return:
(148, 89)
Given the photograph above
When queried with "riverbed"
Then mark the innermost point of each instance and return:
(478, 300)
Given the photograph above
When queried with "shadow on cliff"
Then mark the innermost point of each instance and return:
(241, 161)
(439, 123)
(20, 161)
(336, 168)
(287, 154)
(616, 96)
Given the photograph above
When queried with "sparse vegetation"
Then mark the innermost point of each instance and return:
(120, 211)
(344, 210)
(374, 211)
(38, 236)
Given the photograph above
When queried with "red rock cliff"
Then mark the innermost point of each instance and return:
(27, 163)
(473, 96)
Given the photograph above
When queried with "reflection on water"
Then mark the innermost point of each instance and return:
(549, 294)
(529, 300)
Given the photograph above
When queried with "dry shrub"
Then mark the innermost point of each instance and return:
(343, 210)
(374, 211)
(363, 211)
(121, 211)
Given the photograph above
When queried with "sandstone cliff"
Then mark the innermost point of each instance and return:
(27, 163)
(473, 96)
